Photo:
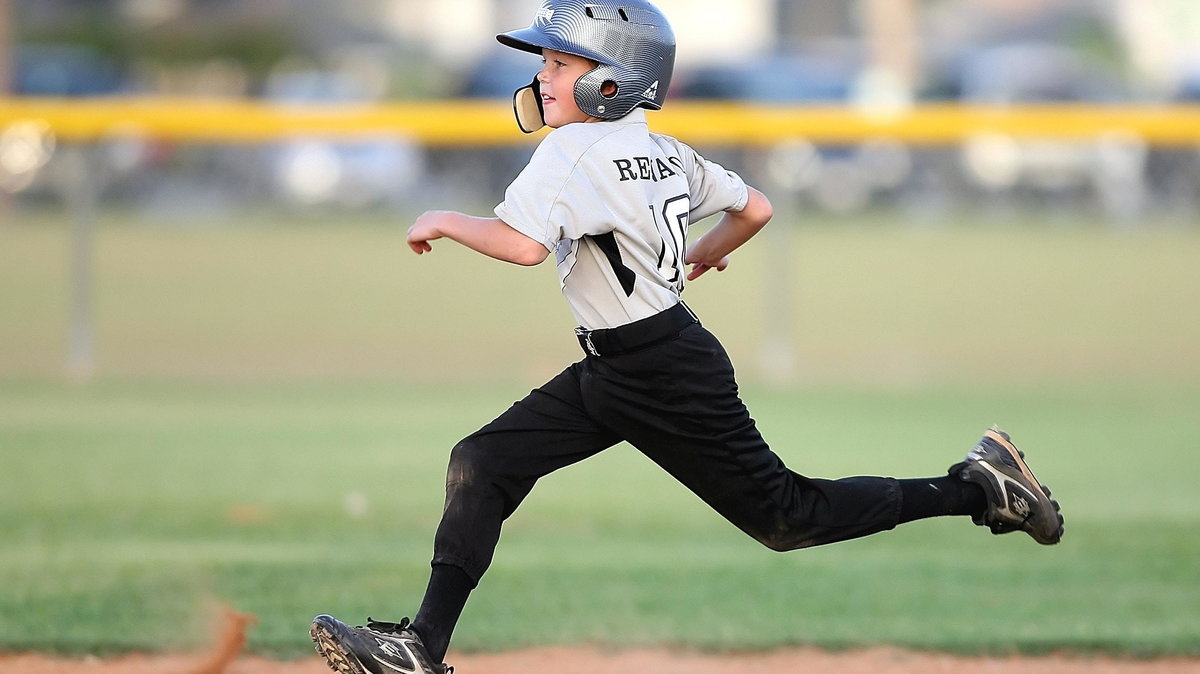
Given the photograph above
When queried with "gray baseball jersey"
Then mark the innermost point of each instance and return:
(613, 201)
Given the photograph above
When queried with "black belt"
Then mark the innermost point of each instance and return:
(660, 327)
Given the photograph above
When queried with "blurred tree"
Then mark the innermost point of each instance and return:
(254, 41)
(6, 47)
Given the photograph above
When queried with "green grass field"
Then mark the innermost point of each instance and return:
(271, 413)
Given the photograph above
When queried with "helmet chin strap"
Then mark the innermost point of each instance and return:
(527, 105)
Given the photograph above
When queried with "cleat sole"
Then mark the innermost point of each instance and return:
(335, 657)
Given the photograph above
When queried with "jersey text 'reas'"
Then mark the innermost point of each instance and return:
(645, 168)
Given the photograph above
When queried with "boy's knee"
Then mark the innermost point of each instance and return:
(466, 463)
(786, 540)
(477, 476)
(775, 542)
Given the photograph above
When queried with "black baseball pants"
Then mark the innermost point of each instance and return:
(676, 401)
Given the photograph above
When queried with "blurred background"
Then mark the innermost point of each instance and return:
(223, 373)
(867, 57)
(868, 52)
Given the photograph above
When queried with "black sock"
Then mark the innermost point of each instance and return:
(445, 597)
(937, 496)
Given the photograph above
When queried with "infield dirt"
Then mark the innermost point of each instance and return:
(225, 656)
(586, 660)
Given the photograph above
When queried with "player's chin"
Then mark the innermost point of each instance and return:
(556, 116)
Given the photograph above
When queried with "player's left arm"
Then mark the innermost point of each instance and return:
(491, 236)
(735, 228)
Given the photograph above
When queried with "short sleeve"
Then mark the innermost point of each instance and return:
(712, 187)
(553, 198)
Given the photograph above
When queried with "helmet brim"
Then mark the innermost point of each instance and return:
(534, 41)
(525, 39)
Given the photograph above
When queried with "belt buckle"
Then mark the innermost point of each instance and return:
(587, 341)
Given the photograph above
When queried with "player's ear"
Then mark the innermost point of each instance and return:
(527, 105)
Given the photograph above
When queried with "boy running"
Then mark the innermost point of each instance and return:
(613, 201)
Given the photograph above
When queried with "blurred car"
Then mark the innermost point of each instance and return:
(64, 70)
(31, 157)
(357, 173)
(843, 178)
(497, 74)
(777, 79)
(1030, 72)
(1188, 90)
(1110, 167)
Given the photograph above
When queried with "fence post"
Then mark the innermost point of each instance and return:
(81, 202)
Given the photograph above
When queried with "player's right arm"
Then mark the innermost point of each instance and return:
(490, 236)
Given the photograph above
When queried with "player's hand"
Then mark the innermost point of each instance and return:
(423, 231)
(699, 268)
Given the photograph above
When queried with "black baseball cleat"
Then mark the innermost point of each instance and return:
(378, 648)
(1016, 500)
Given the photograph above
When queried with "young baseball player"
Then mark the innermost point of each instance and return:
(612, 201)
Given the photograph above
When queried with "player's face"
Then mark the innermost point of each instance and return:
(558, 76)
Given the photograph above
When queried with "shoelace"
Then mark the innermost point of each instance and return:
(398, 628)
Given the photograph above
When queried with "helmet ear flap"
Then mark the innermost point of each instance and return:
(527, 106)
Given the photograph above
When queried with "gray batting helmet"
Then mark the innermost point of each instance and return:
(631, 41)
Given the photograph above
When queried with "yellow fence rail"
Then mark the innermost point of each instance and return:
(465, 123)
